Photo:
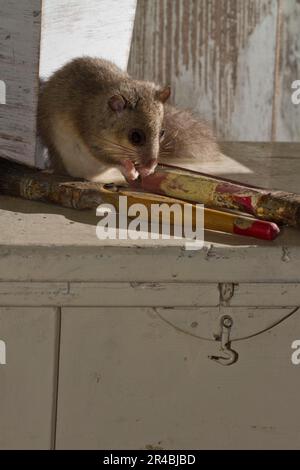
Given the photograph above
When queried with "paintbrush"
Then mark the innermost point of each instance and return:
(276, 206)
(22, 181)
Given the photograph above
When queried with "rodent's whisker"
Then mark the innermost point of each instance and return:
(120, 146)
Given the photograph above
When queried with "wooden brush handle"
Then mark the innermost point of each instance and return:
(276, 206)
(30, 183)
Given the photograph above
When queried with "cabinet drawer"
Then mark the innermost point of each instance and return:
(27, 380)
(135, 378)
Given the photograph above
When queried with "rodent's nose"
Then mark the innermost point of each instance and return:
(148, 168)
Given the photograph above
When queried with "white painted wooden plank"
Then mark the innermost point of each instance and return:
(27, 391)
(108, 294)
(146, 294)
(74, 28)
(265, 294)
(32, 293)
(160, 264)
(219, 58)
(128, 380)
(288, 114)
(2, 92)
(19, 57)
(143, 294)
(69, 29)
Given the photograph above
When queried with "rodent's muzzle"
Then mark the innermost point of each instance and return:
(147, 168)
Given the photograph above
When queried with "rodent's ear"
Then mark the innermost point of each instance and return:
(117, 103)
(163, 94)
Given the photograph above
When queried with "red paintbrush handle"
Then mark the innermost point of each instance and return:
(256, 228)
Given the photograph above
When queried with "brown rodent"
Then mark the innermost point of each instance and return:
(93, 116)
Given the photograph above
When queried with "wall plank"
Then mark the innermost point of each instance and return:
(287, 114)
(108, 294)
(19, 57)
(74, 28)
(219, 57)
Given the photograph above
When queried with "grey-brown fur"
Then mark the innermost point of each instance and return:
(85, 100)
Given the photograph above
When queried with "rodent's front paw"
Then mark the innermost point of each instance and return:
(129, 171)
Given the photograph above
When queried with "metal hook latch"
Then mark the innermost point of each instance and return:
(227, 355)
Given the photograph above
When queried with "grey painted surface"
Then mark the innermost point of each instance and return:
(149, 294)
(128, 380)
(232, 62)
(29, 240)
(134, 372)
(2, 92)
(28, 380)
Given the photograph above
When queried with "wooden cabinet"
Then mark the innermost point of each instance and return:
(135, 325)
(140, 378)
(28, 380)
(132, 378)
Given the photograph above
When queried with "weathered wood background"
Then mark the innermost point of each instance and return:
(72, 28)
(231, 61)
(19, 46)
(39, 36)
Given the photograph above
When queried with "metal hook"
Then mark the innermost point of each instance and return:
(227, 355)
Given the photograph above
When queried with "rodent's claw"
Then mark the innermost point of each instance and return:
(129, 171)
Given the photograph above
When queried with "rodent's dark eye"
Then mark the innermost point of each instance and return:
(137, 137)
(162, 133)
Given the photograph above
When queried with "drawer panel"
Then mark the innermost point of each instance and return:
(264, 294)
(130, 380)
(108, 294)
(27, 380)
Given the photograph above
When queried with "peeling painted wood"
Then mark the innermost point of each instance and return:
(101, 28)
(160, 263)
(219, 58)
(27, 391)
(36, 38)
(149, 294)
(108, 294)
(19, 64)
(288, 114)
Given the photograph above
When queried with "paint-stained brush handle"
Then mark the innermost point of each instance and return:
(33, 184)
(275, 206)
(220, 221)
(29, 183)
